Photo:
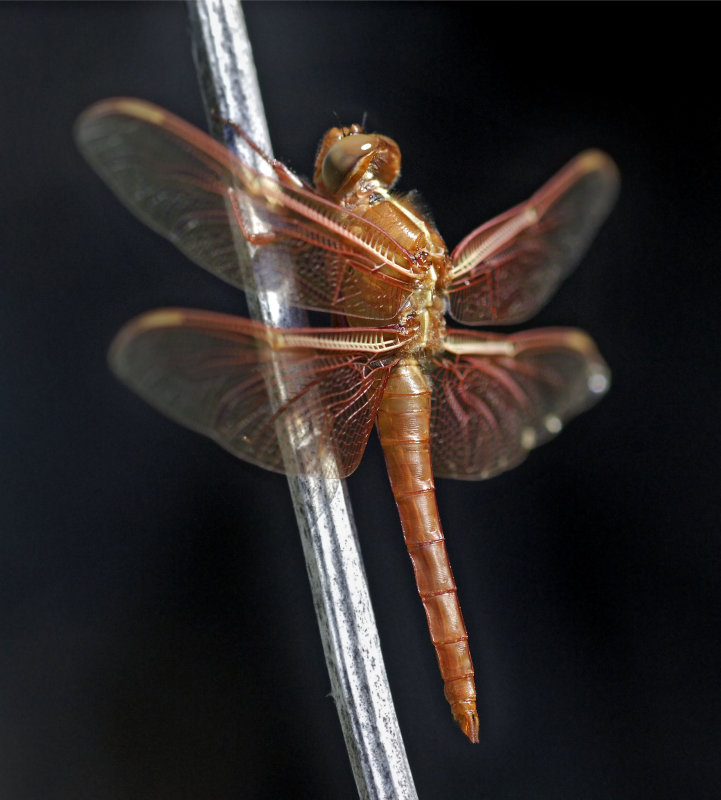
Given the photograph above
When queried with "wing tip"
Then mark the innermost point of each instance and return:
(131, 107)
(123, 339)
(596, 160)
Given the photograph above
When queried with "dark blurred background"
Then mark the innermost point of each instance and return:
(157, 635)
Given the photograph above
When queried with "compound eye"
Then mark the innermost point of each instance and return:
(346, 160)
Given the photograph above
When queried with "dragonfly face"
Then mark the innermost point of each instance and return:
(349, 157)
(447, 402)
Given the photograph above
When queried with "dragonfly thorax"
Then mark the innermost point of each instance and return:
(425, 312)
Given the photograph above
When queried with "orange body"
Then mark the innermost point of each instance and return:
(404, 429)
(404, 423)
(449, 402)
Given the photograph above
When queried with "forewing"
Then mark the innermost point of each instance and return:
(496, 397)
(198, 194)
(504, 271)
(212, 372)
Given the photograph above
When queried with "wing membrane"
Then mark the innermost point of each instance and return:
(196, 193)
(507, 269)
(495, 398)
(211, 373)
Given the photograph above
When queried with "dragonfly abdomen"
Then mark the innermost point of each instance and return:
(404, 429)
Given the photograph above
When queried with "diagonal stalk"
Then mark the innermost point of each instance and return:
(340, 592)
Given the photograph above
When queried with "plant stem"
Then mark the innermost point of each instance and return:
(340, 592)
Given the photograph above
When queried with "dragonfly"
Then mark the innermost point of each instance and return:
(446, 401)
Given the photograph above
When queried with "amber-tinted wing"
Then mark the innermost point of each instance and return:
(496, 397)
(504, 271)
(211, 373)
(198, 194)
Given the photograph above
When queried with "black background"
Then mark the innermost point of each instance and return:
(157, 631)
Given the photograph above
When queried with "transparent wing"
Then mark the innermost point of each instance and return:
(496, 397)
(196, 193)
(210, 372)
(504, 271)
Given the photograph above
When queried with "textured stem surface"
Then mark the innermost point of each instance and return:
(340, 592)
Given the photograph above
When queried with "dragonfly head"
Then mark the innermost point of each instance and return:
(349, 156)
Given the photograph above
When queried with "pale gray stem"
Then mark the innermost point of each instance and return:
(340, 592)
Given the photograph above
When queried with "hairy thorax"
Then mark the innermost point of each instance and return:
(400, 218)
(358, 170)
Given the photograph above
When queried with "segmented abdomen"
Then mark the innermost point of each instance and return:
(404, 429)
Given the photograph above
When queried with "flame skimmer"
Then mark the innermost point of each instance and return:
(446, 402)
